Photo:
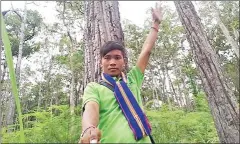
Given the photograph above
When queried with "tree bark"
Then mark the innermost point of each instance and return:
(102, 25)
(221, 98)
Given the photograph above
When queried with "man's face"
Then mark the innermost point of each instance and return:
(113, 63)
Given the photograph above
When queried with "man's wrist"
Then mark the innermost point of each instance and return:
(88, 128)
(155, 26)
(156, 23)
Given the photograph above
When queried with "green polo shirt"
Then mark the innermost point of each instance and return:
(112, 122)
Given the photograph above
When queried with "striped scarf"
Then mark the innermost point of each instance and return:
(137, 120)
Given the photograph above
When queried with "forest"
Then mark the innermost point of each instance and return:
(190, 91)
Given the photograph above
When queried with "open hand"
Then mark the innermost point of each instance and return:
(157, 13)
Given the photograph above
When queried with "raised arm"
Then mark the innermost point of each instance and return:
(151, 39)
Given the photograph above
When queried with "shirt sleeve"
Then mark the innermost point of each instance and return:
(136, 76)
(90, 94)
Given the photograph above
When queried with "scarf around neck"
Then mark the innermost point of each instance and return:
(136, 118)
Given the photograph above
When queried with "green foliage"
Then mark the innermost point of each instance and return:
(33, 27)
(53, 125)
(230, 8)
(77, 59)
(48, 126)
(181, 127)
(201, 103)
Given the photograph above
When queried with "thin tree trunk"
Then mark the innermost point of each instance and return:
(176, 73)
(236, 35)
(154, 93)
(49, 88)
(72, 99)
(186, 95)
(180, 96)
(71, 51)
(165, 97)
(162, 97)
(159, 92)
(224, 29)
(57, 98)
(165, 89)
(39, 98)
(4, 71)
(20, 51)
(172, 87)
(72, 96)
(102, 25)
(221, 98)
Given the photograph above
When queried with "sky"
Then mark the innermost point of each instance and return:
(134, 11)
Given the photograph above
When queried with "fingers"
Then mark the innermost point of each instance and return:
(160, 4)
(151, 9)
(99, 134)
(160, 8)
(93, 136)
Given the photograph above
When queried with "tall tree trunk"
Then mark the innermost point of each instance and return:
(221, 99)
(102, 25)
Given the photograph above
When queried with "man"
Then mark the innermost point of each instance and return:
(105, 118)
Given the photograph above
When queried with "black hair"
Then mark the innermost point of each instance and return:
(112, 45)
